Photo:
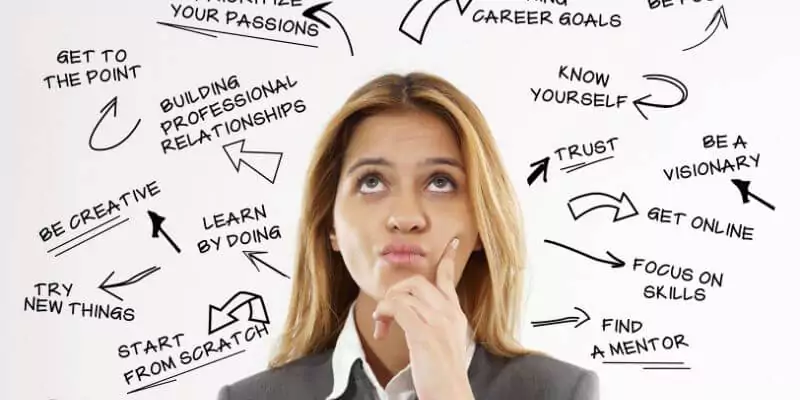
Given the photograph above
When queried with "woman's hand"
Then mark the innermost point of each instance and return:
(435, 328)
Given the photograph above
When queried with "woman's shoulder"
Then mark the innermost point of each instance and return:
(543, 376)
(301, 378)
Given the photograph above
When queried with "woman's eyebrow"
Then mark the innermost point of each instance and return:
(382, 161)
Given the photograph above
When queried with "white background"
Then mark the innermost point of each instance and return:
(742, 81)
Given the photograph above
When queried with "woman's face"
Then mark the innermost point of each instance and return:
(402, 183)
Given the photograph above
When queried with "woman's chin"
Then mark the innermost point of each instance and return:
(390, 275)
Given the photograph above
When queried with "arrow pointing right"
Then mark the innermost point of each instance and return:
(588, 202)
(109, 107)
(719, 17)
(565, 320)
(616, 263)
(539, 168)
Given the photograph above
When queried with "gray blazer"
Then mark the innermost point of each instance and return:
(532, 377)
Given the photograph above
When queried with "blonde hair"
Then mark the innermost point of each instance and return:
(490, 288)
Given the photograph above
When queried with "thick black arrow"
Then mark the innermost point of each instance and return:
(719, 17)
(539, 168)
(130, 281)
(111, 105)
(311, 13)
(638, 103)
(744, 191)
(251, 255)
(564, 320)
(157, 221)
(616, 263)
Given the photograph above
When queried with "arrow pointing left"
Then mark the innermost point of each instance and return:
(744, 191)
(221, 317)
(251, 255)
(105, 286)
(157, 220)
(264, 163)
(110, 106)
(638, 103)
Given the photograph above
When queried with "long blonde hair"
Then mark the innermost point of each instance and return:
(491, 285)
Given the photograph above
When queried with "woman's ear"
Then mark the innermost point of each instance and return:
(334, 242)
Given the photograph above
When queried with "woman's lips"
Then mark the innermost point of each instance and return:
(407, 259)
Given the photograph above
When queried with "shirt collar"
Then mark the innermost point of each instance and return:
(348, 350)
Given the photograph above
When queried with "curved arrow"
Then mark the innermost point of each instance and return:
(416, 20)
(311, 12)
(719, 17)
(111, 105)
(664, 78)
(586, 318)
(588, 202)
(616, 263)
(258, 311)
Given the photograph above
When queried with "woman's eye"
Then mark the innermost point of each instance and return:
(441, 183)
(370, 182)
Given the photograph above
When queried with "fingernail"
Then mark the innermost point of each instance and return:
(454, 243)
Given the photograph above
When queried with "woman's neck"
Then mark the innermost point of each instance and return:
(388, 356)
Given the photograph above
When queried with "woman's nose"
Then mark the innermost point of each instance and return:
(406, 215)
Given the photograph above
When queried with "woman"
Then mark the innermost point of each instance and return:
(410, 262)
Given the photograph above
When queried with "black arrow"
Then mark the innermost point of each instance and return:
(420, 15)
(130, 281)
(539, 168)
(638, 103)
(311, 12)
(258, 311)
(617, 263)
(583, 204)
(251, 255)
(565, 320)
(157, 220)
(744, 190)
(719, 17)
(111, 105)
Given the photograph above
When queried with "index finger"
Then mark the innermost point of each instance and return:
(445, 272)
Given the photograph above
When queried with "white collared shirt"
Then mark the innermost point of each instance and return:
(348, 349)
